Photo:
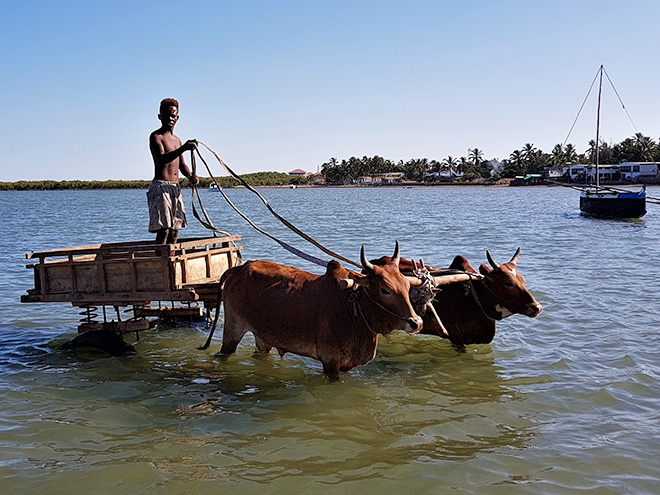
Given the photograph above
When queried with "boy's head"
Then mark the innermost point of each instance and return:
(168, 102)
(169, 112)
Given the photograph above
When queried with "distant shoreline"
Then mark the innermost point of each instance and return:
(80, 185)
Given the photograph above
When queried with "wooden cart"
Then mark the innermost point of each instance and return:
(133, 274)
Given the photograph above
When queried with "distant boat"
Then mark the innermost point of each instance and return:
(213, 186)
(605, 202)
(292, 186)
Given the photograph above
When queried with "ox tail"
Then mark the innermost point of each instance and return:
(221, 283)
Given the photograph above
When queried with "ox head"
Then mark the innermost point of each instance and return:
(387, 295)
(507, 292)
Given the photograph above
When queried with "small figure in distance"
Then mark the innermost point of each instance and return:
(166, 211)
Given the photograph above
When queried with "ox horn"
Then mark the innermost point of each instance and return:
(365, 262)
(396, 257)
(491, 260)
(514, 260)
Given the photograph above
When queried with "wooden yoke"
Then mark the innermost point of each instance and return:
(440, 277)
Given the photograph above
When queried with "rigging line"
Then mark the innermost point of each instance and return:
(286, 246)
(647, 150)
(649, 199)
(581, 107)
(280, 218)
(620, 100)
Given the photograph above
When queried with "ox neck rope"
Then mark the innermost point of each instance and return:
(475, 296)
(498, 296)
(288, 224)
(354, 297)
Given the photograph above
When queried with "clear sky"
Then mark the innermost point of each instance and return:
(279, 85)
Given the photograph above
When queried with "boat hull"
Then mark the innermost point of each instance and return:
(613, 205)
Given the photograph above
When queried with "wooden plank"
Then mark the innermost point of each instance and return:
(62, 252)
(168, 312)
(114, 299)
(130, 245)
(42, 279)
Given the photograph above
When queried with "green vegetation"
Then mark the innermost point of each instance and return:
(256, 179)
(43, 185)
(527, 160)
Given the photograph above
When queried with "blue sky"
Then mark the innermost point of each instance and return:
(279, 85)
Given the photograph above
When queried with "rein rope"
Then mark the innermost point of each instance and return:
(288, 224)
(354, 297)
(475, 296)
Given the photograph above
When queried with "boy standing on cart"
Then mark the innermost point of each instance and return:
(167, 214)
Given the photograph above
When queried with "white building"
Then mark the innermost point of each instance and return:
(636, 171)
(605, 172)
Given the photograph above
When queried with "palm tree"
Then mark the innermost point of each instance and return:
(571, 154)
(557, 156)
(476, 156)
(644, 147)
(515, 165)
(463, 165)
(449, 163)
(529, 152)
(591, 151)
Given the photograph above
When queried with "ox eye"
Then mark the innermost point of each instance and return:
(510, 285)
(385, 291)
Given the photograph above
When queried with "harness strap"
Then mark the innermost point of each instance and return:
(353, 298)
(366, 291)
(475, 296)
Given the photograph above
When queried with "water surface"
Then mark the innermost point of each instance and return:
(566, 402)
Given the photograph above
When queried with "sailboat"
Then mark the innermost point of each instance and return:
(607, 202)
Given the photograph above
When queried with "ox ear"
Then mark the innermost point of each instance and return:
(396, 257)
(491, 260)
(484, 270)
(514, 260)
(368, 267)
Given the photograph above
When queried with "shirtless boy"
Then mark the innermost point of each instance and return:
(166, 212)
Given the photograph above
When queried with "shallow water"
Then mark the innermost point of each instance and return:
(562, 403)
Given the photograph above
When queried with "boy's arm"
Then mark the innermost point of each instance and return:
(162, 157)
(186, 171)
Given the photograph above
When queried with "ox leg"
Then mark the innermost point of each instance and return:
(232, 333)
(262, 347)
(331, 369)
(230, 343)
(458, 347)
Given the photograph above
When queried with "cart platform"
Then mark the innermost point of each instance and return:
(133, 273)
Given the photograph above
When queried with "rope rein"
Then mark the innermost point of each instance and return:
(475, 296)
(354, 298)
(288, 224)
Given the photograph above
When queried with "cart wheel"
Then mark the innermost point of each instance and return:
(104, 340)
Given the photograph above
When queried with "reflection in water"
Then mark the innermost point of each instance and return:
(419, 401)
(259, 418)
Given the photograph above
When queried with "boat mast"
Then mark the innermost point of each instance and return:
(600, 89)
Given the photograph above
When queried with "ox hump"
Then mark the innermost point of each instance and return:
(336, 270)
(461, 263)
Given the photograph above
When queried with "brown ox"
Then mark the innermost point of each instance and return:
(469, 311)
(335, 318)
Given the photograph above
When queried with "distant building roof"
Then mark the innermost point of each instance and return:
(297, 172)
